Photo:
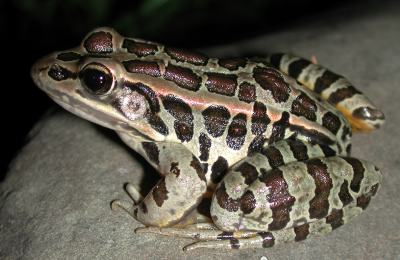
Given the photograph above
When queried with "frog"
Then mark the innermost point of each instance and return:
(251, 152)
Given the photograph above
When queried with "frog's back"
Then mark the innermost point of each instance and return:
(210, 105)
(249, 98)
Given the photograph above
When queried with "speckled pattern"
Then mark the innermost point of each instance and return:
(288, 175)
(369, 236)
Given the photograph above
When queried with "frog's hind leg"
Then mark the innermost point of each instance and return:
(290, 201)
(198, 224)
(300, 200)
(210, 237)
(335, 89)
(265, 239)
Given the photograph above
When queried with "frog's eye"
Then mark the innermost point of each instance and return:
(97, 78)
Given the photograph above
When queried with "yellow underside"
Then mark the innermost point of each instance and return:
(357, 125)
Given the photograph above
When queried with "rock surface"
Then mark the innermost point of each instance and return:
(55, 200)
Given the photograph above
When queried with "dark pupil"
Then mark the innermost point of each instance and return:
(97, 81)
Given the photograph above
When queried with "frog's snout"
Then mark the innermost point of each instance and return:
(48, 71)
(38, 69)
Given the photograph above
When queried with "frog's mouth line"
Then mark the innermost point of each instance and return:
(81, 109)
(76, 107)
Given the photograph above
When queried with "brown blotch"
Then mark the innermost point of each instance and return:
(301, 232)
(279, 128)
(331, 122)
(358, 170)
(304, 106)
(272, 80)
(247, 202)
(259, 119)
(99, 42)
(232, 63)
(344, 194)
(374, 189)
(299, 149)
(328, 151)
(177, 108)
(274, 156)
(204, 207)
(196, 165)
(150, 68)
(279, 198)
(216, 119)
(183, 77)
(348, 149)
(221, 83)
(151, 151)
(276, 59)
(326, 79)
(319, 205)
(342, 94)
(205, 167)
(186, 56)
(160, 192)
(174, 169)
(205, 145)
(335, 219)
(157, 123)
(257, 144)
(182, 113)
(227, 235)
(296, 67)
(247, 92)
(237, 132)
(224, 201)
(218, 169)
(139, 48)
(248, 171)
(268, 239)
(363, 201)
(313, 136)
(184, 131)
(346, 134)
(69, 56)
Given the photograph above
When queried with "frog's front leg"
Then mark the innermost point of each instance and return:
(176, 194)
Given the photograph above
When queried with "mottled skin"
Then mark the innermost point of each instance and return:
(248, 157)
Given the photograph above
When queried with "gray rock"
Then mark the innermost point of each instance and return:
(55, 199)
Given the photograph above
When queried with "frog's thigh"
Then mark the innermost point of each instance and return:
(177, 193)
(271, 156)
(293, 201)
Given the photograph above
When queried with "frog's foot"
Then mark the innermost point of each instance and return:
(126, 205)
(235, 240)
(207, 236)
(189, 231)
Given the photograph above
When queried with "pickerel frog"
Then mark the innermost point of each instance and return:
(251, 152)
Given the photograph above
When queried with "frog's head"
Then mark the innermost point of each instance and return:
(91, 82)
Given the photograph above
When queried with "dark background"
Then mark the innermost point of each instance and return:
(33, 28)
